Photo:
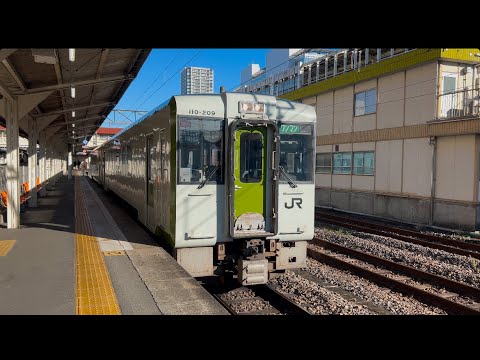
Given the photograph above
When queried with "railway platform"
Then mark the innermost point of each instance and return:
(79, 252)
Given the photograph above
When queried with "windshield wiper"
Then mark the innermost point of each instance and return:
(202, 184)
(290, 181)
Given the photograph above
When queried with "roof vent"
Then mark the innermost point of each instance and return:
(44, 56)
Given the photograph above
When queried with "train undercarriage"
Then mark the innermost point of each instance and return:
(256, 260)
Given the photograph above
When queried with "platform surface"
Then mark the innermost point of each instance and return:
(80, 252)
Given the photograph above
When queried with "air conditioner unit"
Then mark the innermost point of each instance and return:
(455, 113)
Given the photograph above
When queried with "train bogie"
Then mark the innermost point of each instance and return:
(227, 180)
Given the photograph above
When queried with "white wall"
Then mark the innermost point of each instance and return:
(325, 114)
(343, 110)
(417, 167)
(420, 88)
(390, 107)
(456, 168)
(388, 169)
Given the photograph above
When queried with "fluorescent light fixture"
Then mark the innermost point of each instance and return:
(73, 113)
(71, 55)
(72, 92)
(73, 125)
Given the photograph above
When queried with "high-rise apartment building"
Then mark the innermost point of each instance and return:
(197, 80)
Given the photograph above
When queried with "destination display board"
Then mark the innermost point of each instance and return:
(300, 129)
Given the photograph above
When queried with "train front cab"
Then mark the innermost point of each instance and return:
(244, 204)
(265, 173)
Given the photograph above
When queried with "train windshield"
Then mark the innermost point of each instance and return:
(200, 149)
(297, 152)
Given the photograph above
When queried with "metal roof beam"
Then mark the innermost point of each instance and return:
(5, 53)
(45, 121)
(58, 73)
(78, 121)
(29, 101)
(5, 91)
(79, 130)
(13, 73)
(101, 65)
(74, 109)
(77, 84)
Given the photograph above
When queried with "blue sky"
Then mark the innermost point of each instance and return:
(165, 66)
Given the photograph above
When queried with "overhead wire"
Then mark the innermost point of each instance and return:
(163, 71)
(176, 72)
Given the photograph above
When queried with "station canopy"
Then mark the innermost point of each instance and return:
(71, 91)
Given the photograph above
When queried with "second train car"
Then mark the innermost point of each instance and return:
(227, 180)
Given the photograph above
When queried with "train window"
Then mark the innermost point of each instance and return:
(151, 164)
(251, 149)
(117, 166)
(297, 152)
(129, 162)
(124, 159)
(200, 149)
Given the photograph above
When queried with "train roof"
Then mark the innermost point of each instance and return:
(277, 108)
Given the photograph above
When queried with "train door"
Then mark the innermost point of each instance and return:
(162, 200)
(151, 172)
(249, 180)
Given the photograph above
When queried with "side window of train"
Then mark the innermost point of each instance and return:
(297, 151)
(200, 149)
(163, 155)
(152, 163)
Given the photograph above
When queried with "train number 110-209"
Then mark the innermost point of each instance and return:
(201, 112)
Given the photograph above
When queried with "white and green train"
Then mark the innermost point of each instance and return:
(226, 179)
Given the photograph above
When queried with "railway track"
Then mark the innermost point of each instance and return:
(414, 237)
(259, 300)
(345, 258)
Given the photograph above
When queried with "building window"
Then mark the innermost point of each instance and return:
(364, 163)
(342, 163)
(324, 163)
(366, 102)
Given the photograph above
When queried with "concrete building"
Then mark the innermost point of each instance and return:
(23, 142)
(197, 80)
(398, 133)
(282, 73)
(101, 135)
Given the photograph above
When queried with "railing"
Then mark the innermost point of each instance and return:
(319, 69)
(459, 104)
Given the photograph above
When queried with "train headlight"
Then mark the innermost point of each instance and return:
(248, 107)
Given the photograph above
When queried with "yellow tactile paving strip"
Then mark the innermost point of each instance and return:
(94, 291)
(6, 246)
